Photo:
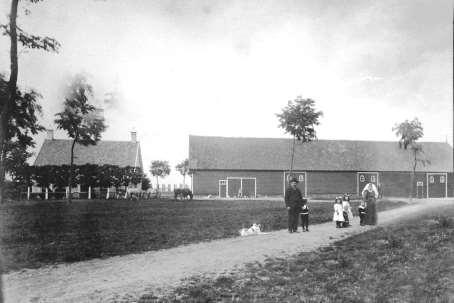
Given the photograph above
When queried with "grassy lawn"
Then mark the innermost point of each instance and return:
(412, 261)
(42, 233)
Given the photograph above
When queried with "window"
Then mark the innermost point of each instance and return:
(442, 179)
(301, 178)
(361, 178)
(222, 182)
(419, 183)
(372, 179)
(431, 179)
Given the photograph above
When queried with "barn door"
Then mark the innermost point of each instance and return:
(419, 189)
(222, 188)
(366, 177)
(436, 185)
(301, 176)
(239, 187)
(233, 187)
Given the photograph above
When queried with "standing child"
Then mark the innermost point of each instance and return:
(347, 210)
(304, 216)
(362, 213)
(338, 215)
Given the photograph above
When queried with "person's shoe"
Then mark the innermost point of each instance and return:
(307, 229)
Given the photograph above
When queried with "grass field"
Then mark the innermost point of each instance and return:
(43, 233)
(412, 261)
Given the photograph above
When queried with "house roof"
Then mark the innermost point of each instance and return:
(121, 153)
(324, 155)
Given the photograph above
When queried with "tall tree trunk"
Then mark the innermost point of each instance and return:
(293, 155)
(70, 178)
(413, 174)
(157, 183)
(11, 96)
(184, 180)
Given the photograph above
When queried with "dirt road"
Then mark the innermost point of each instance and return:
(130, 276)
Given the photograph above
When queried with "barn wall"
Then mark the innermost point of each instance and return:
(394, 184)
(323, 183)
(450, 184)
(397, 184)
(268, 182)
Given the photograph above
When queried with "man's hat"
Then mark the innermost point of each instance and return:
(293, 179)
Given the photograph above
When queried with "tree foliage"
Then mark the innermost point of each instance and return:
(159, 169)
(183, 168)
(408, 132)
(299, 119)
(79, 118)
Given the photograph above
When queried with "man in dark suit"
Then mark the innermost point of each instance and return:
(293, 201)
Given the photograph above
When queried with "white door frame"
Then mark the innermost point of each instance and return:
(365, 172)
(440, 174)
(219, 190)
(295, 172)
(241, 184)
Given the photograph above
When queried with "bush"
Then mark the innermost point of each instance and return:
(183, 194)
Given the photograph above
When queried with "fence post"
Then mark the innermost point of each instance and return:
(67, 192)
(107, 194)
(89, 192)
(28, 192)
(47, 194)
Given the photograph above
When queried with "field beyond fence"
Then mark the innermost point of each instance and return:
(40, 233)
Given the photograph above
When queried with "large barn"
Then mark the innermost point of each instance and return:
(253, 167)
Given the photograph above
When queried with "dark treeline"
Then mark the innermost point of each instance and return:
(55, 178)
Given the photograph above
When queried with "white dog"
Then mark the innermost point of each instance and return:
(253, 230)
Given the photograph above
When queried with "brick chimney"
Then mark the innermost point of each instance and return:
(50, 134)
(134, 136)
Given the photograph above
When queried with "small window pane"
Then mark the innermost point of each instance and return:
(431, 179)
(442, 179)
(361, 178)
(372, 179)
(301, 178)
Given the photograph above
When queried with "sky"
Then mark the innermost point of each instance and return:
(225, 68)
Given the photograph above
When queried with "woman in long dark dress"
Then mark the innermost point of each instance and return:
(370, 194)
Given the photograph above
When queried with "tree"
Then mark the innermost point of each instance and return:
(409, 132)
(8, 93)
(183, 169)
(17, 167)
(146, 183)
(79, 119)
(159, 169)
(299, 118)
(22, 124)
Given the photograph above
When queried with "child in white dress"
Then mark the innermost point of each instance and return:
(338, 215)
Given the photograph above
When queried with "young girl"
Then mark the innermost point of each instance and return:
(347, 211)
(304, 213)
(362, 213)
(338, 216)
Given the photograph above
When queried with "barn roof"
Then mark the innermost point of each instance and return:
(324, 155)
(121, 153)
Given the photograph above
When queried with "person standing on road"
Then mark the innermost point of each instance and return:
(304, 214)
(293, 201)
(370, 194)
(338, 215)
